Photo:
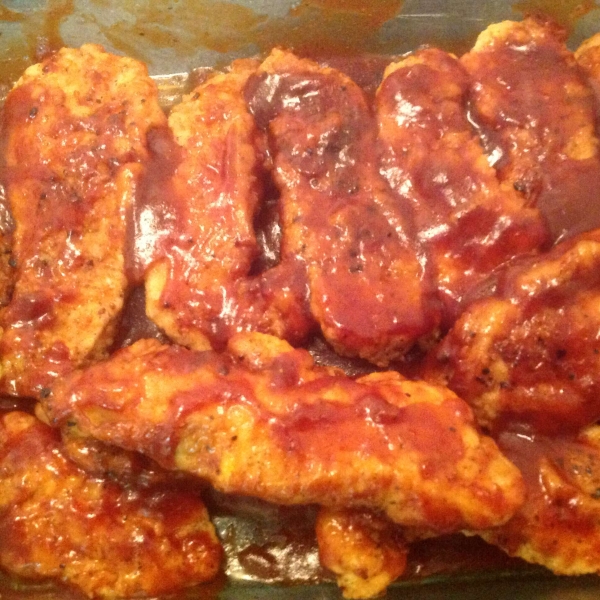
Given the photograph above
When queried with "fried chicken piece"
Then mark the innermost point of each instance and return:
(108, 541)
(433, 160)
(75, 130)
(363, 549)
(559, 524)
(529, 353)
(264, 421)
(536, 113)
(368, 289)
(198, 290)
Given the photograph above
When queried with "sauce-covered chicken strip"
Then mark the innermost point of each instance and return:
(107, 540)
(364, 550)
(368, 289)
(432, 158)
(559, 524)
(74, 132)
(536, 113)
(530, 352)
(263, 420)
(198, 289)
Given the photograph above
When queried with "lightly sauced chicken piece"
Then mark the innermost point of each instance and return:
(74, 131)
(198, 289)
(368, 289)
(433, 160)
(106, 540)
(536, 113)
(529, 353)
(262, 420)
(558, 526)
(364, 550)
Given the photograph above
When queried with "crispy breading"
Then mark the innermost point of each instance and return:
(262, 420)
(106, 540)
(74, 132)
(432, 158)
(530, 353)
(367, 287)
(559, 524)
(364, 550)
(536, 113)
(198, 289)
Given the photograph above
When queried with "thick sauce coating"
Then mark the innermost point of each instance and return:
(75, 130)
(536, 113)
(104, 539)
(198, 289)
(368, 291)
(530, 353)
(263, 421)
(432, 158)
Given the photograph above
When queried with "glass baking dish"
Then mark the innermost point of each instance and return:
(181, 39)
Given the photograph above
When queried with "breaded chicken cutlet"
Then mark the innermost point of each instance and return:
(536, 113)
(466, 222)
(529, 353)
(198, 288)
(263, 421)
(75, 129)
(106, 540)
(337, 213)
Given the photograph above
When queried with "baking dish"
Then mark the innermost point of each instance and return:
(178, 40)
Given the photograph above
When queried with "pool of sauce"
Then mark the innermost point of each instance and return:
(264, 543)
